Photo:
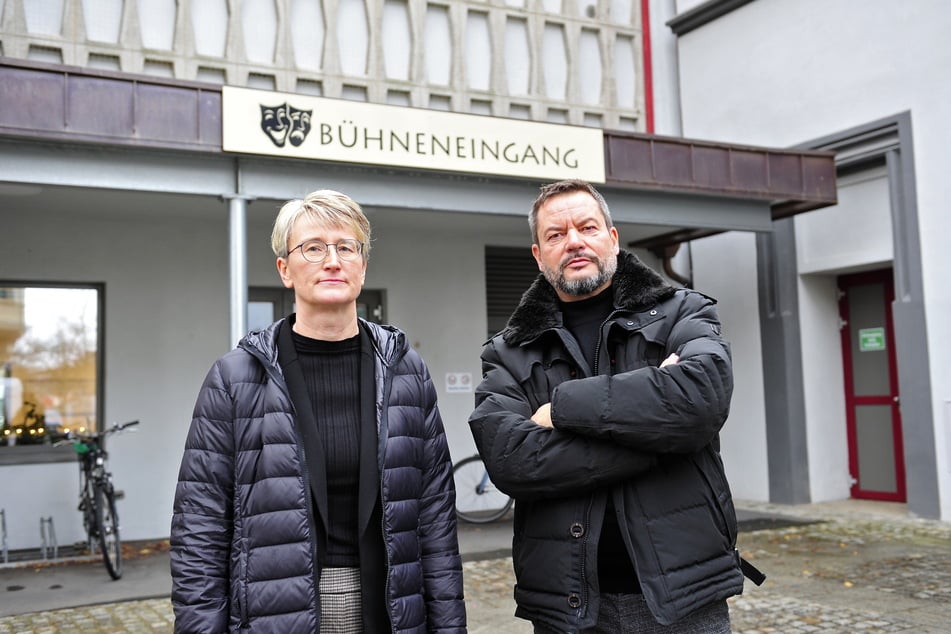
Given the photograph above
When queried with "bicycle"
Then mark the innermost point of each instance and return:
(478, 501)
(97, 495)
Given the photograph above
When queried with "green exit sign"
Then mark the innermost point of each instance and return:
(871, 339)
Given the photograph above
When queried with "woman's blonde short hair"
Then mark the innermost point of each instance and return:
(324, 206)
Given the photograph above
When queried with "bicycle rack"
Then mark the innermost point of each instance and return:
(3, 535)
(48, 535)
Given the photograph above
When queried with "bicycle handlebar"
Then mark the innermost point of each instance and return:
(76, 437)
(119, 427)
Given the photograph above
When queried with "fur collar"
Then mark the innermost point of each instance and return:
(636, 286)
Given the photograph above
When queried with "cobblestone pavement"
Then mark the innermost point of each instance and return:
(836, 575)
(848, 575)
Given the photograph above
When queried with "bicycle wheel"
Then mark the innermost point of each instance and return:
(477, 499)
(107, 530)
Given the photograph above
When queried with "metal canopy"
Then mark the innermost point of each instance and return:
(695, 188)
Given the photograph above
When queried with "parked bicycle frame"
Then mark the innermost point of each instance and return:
(478, 500)
(97, 496)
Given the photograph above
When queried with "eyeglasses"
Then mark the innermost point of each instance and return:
(317, 250)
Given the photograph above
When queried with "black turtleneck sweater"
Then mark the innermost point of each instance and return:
(583, 319)
(332, 373)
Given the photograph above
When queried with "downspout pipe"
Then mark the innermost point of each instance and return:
(666, 255)
(238, 265)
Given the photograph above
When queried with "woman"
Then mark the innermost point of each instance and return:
(315, 492)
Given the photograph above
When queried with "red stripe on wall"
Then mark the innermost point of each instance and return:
(648, 71)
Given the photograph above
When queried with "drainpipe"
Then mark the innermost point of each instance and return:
(238, 265)
(666, 255)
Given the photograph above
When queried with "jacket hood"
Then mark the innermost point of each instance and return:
(389, 342)
(262, 343)
(636, 286)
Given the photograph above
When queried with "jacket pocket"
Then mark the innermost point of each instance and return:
(687, 513)
(710, 466)
(540, 378)
(639, 346)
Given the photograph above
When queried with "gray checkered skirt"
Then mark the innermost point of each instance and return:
(341, 602)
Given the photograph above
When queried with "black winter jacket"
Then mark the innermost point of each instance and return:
(243, 532)
(628, 429)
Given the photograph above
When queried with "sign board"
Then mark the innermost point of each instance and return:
(305, 127)
(871, 339)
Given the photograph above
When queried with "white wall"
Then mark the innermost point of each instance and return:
(164, 292)
(783, 72)
(724, 267)
(823, 388)
(854, 234)
(665, 78)
(436, 294)
(686, 5)
(166, 289)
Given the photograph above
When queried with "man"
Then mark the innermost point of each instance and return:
(599, 411)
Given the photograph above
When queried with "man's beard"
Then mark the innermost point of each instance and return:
(585, 285)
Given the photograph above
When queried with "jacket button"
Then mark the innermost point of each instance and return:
(574, 601)
(576, 530)
(653, 312)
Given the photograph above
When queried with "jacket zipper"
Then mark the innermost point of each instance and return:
(597, 348)
(243, 589)
(383, 427)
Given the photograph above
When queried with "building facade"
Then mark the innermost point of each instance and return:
(850, 396)
(135, 244)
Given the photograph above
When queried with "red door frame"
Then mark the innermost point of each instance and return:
(883, 277)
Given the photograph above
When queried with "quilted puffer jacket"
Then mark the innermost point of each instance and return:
(243, 537)
(627, 429)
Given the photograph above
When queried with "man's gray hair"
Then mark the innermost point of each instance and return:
(547, 192)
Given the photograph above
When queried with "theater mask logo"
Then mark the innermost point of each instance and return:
(285, 123)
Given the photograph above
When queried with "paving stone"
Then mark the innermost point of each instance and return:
(841, 575)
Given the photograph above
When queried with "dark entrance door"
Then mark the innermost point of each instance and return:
(873, 415)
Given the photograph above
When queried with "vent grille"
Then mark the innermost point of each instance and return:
(509, 271)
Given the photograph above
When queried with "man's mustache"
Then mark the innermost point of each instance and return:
(568, 258)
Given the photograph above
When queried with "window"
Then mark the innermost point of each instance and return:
(50, 366)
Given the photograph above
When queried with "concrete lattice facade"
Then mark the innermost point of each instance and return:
(562, 61)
